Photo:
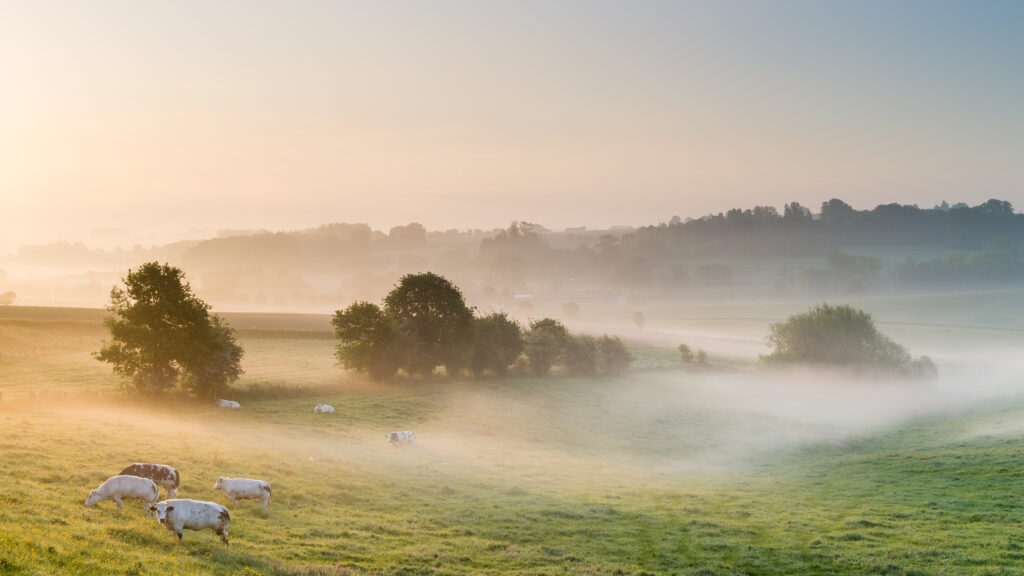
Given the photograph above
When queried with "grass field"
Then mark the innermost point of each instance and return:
(663, 471)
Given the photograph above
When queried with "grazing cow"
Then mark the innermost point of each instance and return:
(125, 487)
(162, 474)
(323, 409)
(404, 438)
(192, 514)
(239, 488)
(222, 403)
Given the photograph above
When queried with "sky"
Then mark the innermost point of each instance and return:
(175, 117)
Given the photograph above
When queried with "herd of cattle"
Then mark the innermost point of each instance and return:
(142, 482)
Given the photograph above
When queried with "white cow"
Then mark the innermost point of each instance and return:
(182, 513)
(125, 487)
(222, 403)
(404, 438)
(323, 409)
(239, 488)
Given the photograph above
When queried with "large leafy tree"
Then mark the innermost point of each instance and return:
(434, 321)
(162, 335)
(368, 340)
(497, 342)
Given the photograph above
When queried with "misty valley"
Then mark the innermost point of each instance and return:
(745, 393)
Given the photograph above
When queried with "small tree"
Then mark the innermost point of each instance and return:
(545, 344)
(497, 343)
(163, 335)
(613, 358)
(580, 357)
(685, 354)
(701, 357)
(368, 340)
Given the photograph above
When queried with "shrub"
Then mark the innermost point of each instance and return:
(685, 354)
(545, 344)
(580, 358)
(841, 336)
(497, 343)
(613, 357)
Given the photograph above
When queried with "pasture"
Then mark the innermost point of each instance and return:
(665, 470)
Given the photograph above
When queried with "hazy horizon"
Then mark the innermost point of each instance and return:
(161, 119)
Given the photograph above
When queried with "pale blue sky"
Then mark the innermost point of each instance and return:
(242, 114)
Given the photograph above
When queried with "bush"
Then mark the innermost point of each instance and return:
(841, 336)
(580, 358)
(545, 344)
(613, 358)
(497, 343)
(685, 354)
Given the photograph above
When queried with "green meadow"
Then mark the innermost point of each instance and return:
(668, 469)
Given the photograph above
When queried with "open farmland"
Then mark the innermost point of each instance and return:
(662, 471)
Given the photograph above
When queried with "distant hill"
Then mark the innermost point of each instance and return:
(741, 253)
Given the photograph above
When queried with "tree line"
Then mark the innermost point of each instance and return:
(164, 337)
(680, 256)
(425, 324)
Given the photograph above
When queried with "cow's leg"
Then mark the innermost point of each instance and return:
(120, 506)
(235, 502)
(178, 532)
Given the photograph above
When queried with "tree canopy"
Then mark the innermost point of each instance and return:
(162, 335)
(432, 316)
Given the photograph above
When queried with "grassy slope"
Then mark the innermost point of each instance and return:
(936, 496)
(509, 477)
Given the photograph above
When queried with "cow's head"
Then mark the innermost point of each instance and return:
(92, 498)
(159, 511)
(220, 483)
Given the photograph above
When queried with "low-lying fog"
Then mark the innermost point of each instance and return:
(658, 426)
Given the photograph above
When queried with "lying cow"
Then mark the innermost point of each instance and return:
(323, 409)
(163, 475)
(125, 487)
(192, 514)
(404, 438)
(222, 403)
(245, 488)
